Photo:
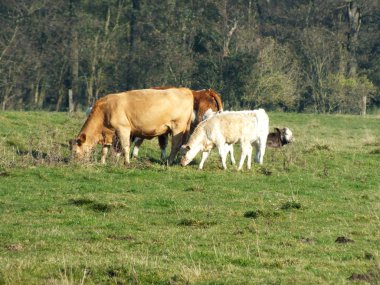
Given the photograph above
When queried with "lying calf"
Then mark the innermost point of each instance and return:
(280, 138)
(227, 128)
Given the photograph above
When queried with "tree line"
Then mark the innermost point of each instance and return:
(293, 55)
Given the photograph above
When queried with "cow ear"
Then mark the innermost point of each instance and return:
(81, 139)
(277, 130)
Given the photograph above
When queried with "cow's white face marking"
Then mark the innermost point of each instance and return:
(288, 135)
(209, 113)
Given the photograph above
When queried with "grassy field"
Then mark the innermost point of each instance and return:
(309, 215)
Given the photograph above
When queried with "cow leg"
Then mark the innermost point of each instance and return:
(124, 136)
(223, 155)
(249, 159)
(137, 143)
(105, 150)
(205, 155)
(176, 144)
(231, 150)
(244, 153)
(163, 142)
(260, 150)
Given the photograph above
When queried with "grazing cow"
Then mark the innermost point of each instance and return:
(227, 128)
(229, 147)
(280, 138)
(206, 99)
(144, 113)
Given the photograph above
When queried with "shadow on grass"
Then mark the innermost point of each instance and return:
(95, 206)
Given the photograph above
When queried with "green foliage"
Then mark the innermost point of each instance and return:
(274, 78)
(281, 55)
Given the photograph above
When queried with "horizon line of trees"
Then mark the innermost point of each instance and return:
(302, 55)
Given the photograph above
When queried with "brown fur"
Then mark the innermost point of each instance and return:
(276, 139)
(144, 113)
(203, 100)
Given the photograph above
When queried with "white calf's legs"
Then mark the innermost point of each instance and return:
(223, 155)
(230, 148)
(246, 149)
(249, 159)
(205, 155)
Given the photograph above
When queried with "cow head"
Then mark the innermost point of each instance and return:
(286, 135)
(80, 149)
(184, 151)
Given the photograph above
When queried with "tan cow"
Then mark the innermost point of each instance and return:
(205, 99)
(144, 113)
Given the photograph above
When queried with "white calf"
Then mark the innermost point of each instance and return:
(227, 128)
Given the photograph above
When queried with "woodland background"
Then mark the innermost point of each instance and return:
(318, 56)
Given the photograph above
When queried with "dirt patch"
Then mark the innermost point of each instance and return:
(127, 237)
(195, 223)
(80, 202)
(258, 213)
(195, 189)
(265, 171)
(307, 240)
(4, 174)
(291, 205)
(375, 151)
(360, 277)
(14, 247)
(318, 147)
(253, 214)
(343, 239)
(95, 206)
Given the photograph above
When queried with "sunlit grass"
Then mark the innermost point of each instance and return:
(309, 215)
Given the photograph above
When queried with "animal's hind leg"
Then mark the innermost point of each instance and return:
(249, 159)
(176, 144)
(245, 147)
(223, 154)
(163, 142)
(230, 148)
(124, 136)
(137, 143)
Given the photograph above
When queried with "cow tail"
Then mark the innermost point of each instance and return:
(217, 98)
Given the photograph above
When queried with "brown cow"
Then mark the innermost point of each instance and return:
(204, 100)
(144, 113)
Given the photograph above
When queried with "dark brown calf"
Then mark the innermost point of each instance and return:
(279, 138)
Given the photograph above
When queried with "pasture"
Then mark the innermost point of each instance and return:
(309, 215)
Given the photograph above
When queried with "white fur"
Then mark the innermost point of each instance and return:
(225, 129)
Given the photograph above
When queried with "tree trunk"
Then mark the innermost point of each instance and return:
(133, 35)
(354, 18)
(71, 101)
(74, 57)
(364, 105)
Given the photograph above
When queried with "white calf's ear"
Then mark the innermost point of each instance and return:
(185, 147)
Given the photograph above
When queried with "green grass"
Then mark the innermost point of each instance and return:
(280, 223)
